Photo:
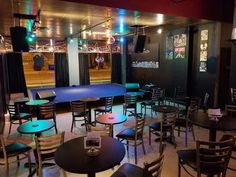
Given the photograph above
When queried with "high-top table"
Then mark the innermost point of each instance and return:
(72, 157)
(111, 119)
(225, 123)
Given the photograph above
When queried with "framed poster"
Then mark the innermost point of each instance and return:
(169, 47)
(180, 40)
(179, 53)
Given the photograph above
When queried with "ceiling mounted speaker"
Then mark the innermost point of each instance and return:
(18, 39)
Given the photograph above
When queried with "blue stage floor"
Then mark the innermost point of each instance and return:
(67, 94)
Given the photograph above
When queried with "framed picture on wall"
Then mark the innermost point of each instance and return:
(179, 53)
(180, 40)
(169, 47)
(203, 66)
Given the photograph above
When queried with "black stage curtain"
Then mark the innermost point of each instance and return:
(61, 70)
(84, 69)
(116, 68)
(4, 91)
(16, 73)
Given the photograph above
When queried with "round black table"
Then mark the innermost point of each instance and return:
(225, 123)
(72, 157)
(111, 119)
(35, 127)
(165, 109)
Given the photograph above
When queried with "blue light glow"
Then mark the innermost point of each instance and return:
(122, 39)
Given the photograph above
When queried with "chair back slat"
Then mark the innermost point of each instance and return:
(233, 95)
(130, 99)
(47, 109)
(78, 106)
(214, 155)
(108, 103)
(11, 109)
(48, 145)
(154, 168)
(158, 94)
(140, 122)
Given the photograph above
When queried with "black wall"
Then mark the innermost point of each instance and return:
(170, 74)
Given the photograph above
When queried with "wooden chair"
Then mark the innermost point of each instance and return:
(79, 112)
(165, 129)
(157, 96)
(105, 109)
(230, 110)
(46, 147)
(16, 150)
(133, 135)
(102, 130)
(130, 104)
(151, 169)
(16, 117)
(48, 111)
(209, 158)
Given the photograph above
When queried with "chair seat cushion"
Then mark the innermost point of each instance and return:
(15, 148)
(188, 157)
(128, 170)
(127, 133)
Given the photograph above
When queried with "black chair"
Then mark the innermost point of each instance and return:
(16, 117)
(105, 109)
(150, 169)
(179, 96)
(130, 104)
(15, 149)
(164, 129)
(230, 110)
(79, 113)
(48, 111)
(49, 95)
(157, 96)
(209, 158)
(233, 155)
(183, 124)
(134, 135)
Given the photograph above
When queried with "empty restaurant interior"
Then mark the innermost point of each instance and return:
(79, 66)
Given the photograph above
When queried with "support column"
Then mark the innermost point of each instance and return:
(73, 61)
(123, 49)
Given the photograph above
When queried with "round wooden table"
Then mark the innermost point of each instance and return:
(225, 123)
(165, 109)
(89, 100)
(35, 127)
(111, 119)
(72, 157)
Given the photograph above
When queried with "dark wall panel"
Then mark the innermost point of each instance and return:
(170, 74)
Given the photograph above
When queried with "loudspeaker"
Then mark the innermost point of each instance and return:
(49, 95)
(139, 41)
(18, 39)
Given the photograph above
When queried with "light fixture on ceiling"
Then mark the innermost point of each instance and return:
(159, 30)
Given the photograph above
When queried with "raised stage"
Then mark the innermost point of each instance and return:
(67, 94)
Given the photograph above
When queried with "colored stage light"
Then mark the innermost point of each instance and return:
(31, 37)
